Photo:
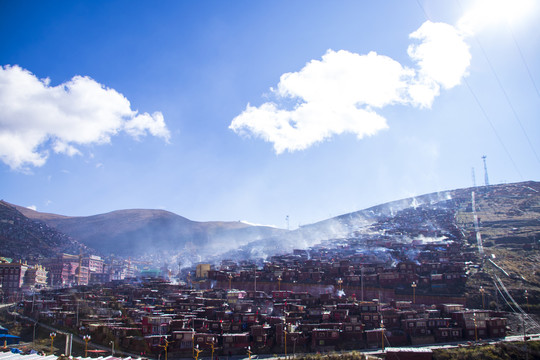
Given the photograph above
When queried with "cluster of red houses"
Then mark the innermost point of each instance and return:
(357, 266)
(154, 315)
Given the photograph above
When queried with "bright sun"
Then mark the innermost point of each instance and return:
(486, 13)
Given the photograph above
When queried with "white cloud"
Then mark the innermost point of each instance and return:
(442, 56)
(36, 118)
(341, 92)
(344, 78)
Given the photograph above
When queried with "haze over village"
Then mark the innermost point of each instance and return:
(269, 179)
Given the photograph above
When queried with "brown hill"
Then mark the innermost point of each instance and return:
(140, 232)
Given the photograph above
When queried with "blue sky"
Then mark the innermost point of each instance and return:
(255, 110)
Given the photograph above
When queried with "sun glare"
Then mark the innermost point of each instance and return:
(487, 13)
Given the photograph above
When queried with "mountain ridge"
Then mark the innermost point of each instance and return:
(135, 232)
(160, 233)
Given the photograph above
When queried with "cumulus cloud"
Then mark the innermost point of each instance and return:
(442, 55)
(342, 92)
(37, 118)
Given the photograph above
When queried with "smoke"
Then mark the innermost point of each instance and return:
(396, 222)
(431, 240)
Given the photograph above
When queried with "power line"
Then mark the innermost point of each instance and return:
(506, 94)
(479, 104)
(492, 127)
(525, 63)
(423, 10)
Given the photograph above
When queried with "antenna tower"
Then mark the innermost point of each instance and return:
(473, 177)
(486, 179)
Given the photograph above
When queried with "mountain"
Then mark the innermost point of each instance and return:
(508, 216)
(141, 232)
(24, 238)
(506, 213)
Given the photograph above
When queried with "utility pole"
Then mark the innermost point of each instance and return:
(285, 339)
(486, 179)
(482, 292)
(362, 282)
(77, 323)
(525, 337)
(382, 334)
(34, 337)
(69, 344)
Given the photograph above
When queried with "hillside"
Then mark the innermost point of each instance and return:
(509, 220)
(23, 238)
(140, 232)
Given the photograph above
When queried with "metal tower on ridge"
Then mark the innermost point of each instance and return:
(486, 179)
